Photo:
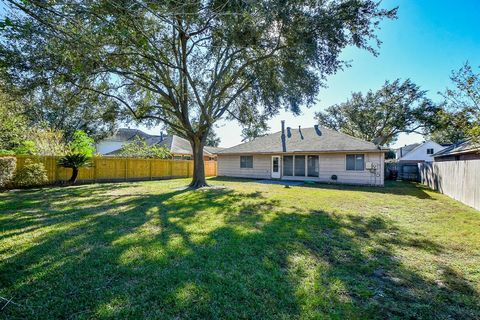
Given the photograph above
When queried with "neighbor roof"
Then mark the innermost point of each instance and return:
(176, 144)
(179, 145)
(458, 148)
(408, 148)
(129, 134)
(316, 139)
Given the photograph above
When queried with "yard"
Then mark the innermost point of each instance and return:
(249, 250)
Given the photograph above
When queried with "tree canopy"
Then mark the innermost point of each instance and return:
(188, 64)
(460, 118)
(139, 148)
(13, 123)
(379, 116)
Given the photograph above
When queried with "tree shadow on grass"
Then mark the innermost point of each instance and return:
(400, 188)
(220, 254)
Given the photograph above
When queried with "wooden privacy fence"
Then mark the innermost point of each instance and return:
(457, 179)
(121, 169)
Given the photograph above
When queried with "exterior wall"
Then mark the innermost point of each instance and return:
(329, 164)
(229, 166)
(106, 146)
(465, 156)
(419, 154)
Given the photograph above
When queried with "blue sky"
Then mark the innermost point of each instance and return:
(429, 39)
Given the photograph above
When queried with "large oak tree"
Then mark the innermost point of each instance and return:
(189, 63)
(379, 116)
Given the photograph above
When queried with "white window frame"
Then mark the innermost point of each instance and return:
(355, 154)
(246, 168)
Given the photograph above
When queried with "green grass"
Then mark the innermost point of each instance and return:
(250, 250)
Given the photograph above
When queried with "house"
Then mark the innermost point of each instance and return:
(418, 152)
(314, 154)
(466, 150)
(178, 146)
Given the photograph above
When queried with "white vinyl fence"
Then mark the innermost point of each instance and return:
(457, 179)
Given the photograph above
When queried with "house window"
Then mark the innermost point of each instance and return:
(313, 166)
(288, 165)
(430, 151)
(246, 162)
(300, 166)
(355, 162)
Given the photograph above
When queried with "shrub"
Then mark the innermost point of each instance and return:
(74, 161)
(31, 174)
(4, 152)
(7, 170)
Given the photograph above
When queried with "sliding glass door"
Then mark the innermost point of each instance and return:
(301, 166)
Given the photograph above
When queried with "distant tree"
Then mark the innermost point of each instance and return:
(451, 127)
(139, 148)
(13, 123)
(379, 116)
(189, 63)
(212, 139)
(43, 141)
(68, 108)
(461, 118)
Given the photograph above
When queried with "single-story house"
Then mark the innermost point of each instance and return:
(466, 150)
(314, 154)
(418, 152)
(178, 146)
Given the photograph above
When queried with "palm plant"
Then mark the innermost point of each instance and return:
(74, 161)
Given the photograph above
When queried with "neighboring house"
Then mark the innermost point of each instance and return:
(315, 154)
(466, 150)
(418, 152)
(179, 147)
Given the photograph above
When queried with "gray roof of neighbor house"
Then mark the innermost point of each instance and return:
(179, 145)
(458, 148)
(316, 139)
(176, 144)
(125, 134)
(407, 148)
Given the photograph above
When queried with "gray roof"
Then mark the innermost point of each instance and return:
(213, 150)
(458, 148)
(316, 139)
(407, 148)
(179, 145)
(125, 134)
(176, 144)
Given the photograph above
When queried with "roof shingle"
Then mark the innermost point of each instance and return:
(316, 139)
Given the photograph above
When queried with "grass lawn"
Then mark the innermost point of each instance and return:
(250, 250)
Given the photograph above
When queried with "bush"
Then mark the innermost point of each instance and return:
(4, 152)
(7, 170)
(32, 174)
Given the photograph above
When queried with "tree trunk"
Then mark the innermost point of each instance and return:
(198, 179)
(73, 179)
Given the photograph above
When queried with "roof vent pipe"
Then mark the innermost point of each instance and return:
(284, 144)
